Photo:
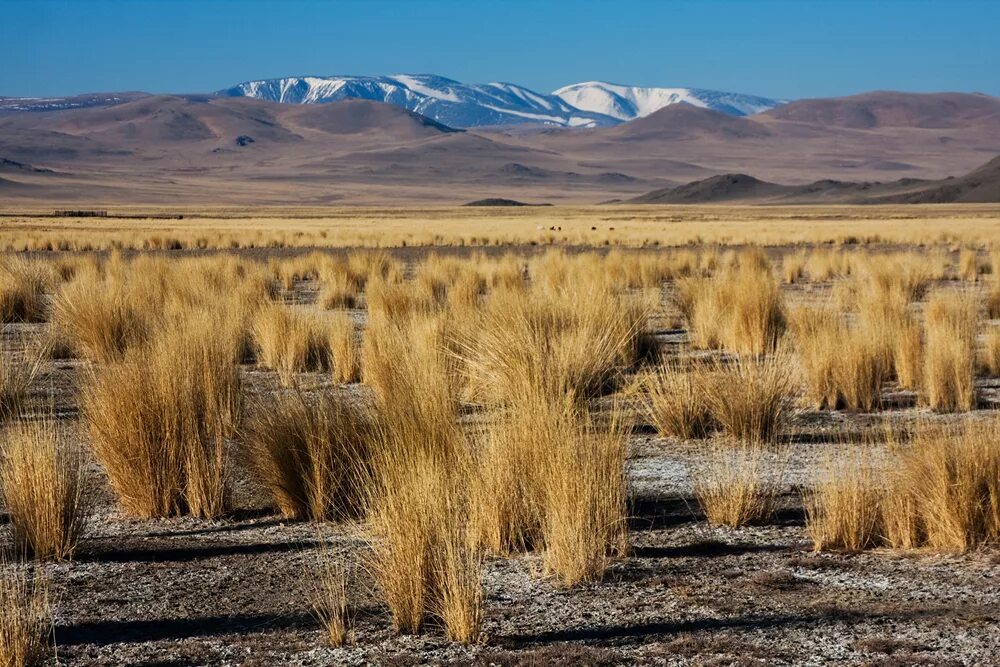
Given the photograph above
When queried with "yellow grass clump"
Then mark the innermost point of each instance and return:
(949, 365)
(421, 556)
(948, 489)
(330, 601)
(159, 420)
(41, 485)
(22, 290)
(16, 374)
(345, 355)
(25, 617)
(740, 309)
(289, 341)
(734, 484)
(843, 508)
(312, 455)
(676, 402)
(751, 399)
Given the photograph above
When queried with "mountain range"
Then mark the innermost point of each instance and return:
(134, 148)
(459, 105)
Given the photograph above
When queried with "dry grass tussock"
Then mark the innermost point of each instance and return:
(41, 485)
(345, 353)
(313, 455)
(740, 309)
(676, 400)
(751, 399)
(422, 557)
(113, 305)
(330, 600)
(22, 290)
(291, 341)
(843, 366)
(160, 417)
(548, 475)
(17, 371)
(556, 340)
(938, 488)
(416, 500)
(946, 492)
(25, 617)
(843, 508)
(949, 365)
(737, 484)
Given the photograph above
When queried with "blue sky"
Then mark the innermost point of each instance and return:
(779, 48)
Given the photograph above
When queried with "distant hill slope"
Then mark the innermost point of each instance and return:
(982, 185)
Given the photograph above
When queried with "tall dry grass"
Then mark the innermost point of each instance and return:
(313, 455)
(22, 290)
(947, 494)
(345, 353)
(17, 371)
(25, 617)
(422, 558)
(160, 419)
(844, 505)
(41, 485)
(330, 601)
(751, 399)
(289, 341)
(676, 400)
(949, 365)
(736, 484)
(740, 309)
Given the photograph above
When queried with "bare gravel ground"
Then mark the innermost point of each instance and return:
(237, 591)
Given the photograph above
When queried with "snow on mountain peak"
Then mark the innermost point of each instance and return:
(629, 102)
(590, 104)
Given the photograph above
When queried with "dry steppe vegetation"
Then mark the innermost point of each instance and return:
(258, 453)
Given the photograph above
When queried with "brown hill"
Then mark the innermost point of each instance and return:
(891, 109)
(686, 121)
(982, 185)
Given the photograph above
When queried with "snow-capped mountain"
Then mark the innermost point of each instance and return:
(629, 102)
(447, 101)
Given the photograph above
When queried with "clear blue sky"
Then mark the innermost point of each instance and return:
(780, 48)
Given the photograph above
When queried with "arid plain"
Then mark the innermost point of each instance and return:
(588, 435)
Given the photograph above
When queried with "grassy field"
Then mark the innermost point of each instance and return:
(648, 226)
(673, 452)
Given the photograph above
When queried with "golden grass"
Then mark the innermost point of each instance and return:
(751, 399)
(345, 353)
(313, 456)
(25, 617)
(735, 485)
(159, 420)
(950, 487)
(22, 290)
(97, 315)
(676, 403)
(583, 497)
(291, 341)
(949, 365)
(843, 507)
(16, 375)
(330, 601)
(624, 226)
(41, 484)
(990, 356)
(421, 556)
(740, 309)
